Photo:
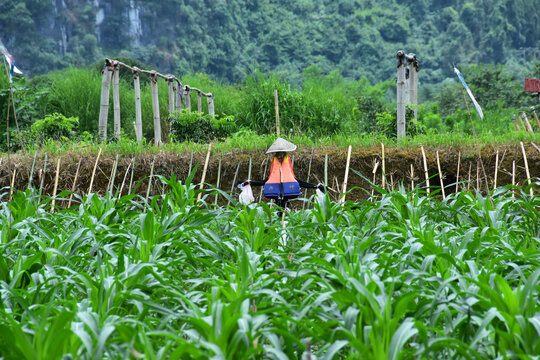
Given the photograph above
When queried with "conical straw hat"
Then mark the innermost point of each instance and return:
(281, 145)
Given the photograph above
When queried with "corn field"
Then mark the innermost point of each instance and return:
(406, 276)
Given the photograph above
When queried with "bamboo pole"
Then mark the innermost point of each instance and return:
(401, 88)
(496, 169)
(412, 177)
(276, 101)
(526, 167)
(155, 107)
(124, 179)
(170, 82)
(188, 98)
(526, 121)
(150, 180)
(138, 109)
(199, 102)
(425, 168)
(521, 124)
(374, 178)
(218, 178)
(234, 181)
(131, 176)
(43, 177)
(179, 96)
(104, 106)
(326, 170)
(535, 118)
(204, 171)
(440, 175)
(93, 174)
(55, 185)
(383, 168)
(307, 180)
(116, 101)
(249, 168)
(513, 176)
(469, 179)
(457, 173)
(190, 162)
(346, 176)
(74, 182)
(210, 102)
(12, 184)
(30, 178)
(477, 176)
(113, 175)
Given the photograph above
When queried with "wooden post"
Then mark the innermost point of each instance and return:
(55, 185)
(440, 175)
(179, 96)
(526, 167)
(199, 102)
(138, 111)
(170, 82)
(535, 118)
(457, 174)
(527, 123)
(104, 106)
(210, 101)
(496, 169)
(276, 101)
(413, 85)
(155, 107)
(346, 176)
(204, 171)
(188, 98)
(116, 100)
(425, 168)
(401, 87)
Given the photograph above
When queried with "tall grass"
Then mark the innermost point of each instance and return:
(403, 276)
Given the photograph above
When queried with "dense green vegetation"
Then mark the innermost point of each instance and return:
(227, 39)
(404, 276)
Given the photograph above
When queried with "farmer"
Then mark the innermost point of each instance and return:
(281, 185)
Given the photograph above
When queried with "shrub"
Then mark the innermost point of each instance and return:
(53, 127)
(197, 127)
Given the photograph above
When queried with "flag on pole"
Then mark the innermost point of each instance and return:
(477, 107)
(11, 62)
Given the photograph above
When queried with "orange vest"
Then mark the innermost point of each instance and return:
(281, 181)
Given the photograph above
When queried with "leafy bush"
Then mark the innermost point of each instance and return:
(197, 127)
(53, 127)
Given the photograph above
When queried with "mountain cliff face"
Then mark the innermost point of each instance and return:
(227, 38)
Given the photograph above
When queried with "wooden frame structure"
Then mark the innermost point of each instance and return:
(179, 97)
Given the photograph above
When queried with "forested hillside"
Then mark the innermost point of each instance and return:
(226, 39)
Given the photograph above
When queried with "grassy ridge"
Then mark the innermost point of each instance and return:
(403, 276)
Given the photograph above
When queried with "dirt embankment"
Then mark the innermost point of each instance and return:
(398, 161)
